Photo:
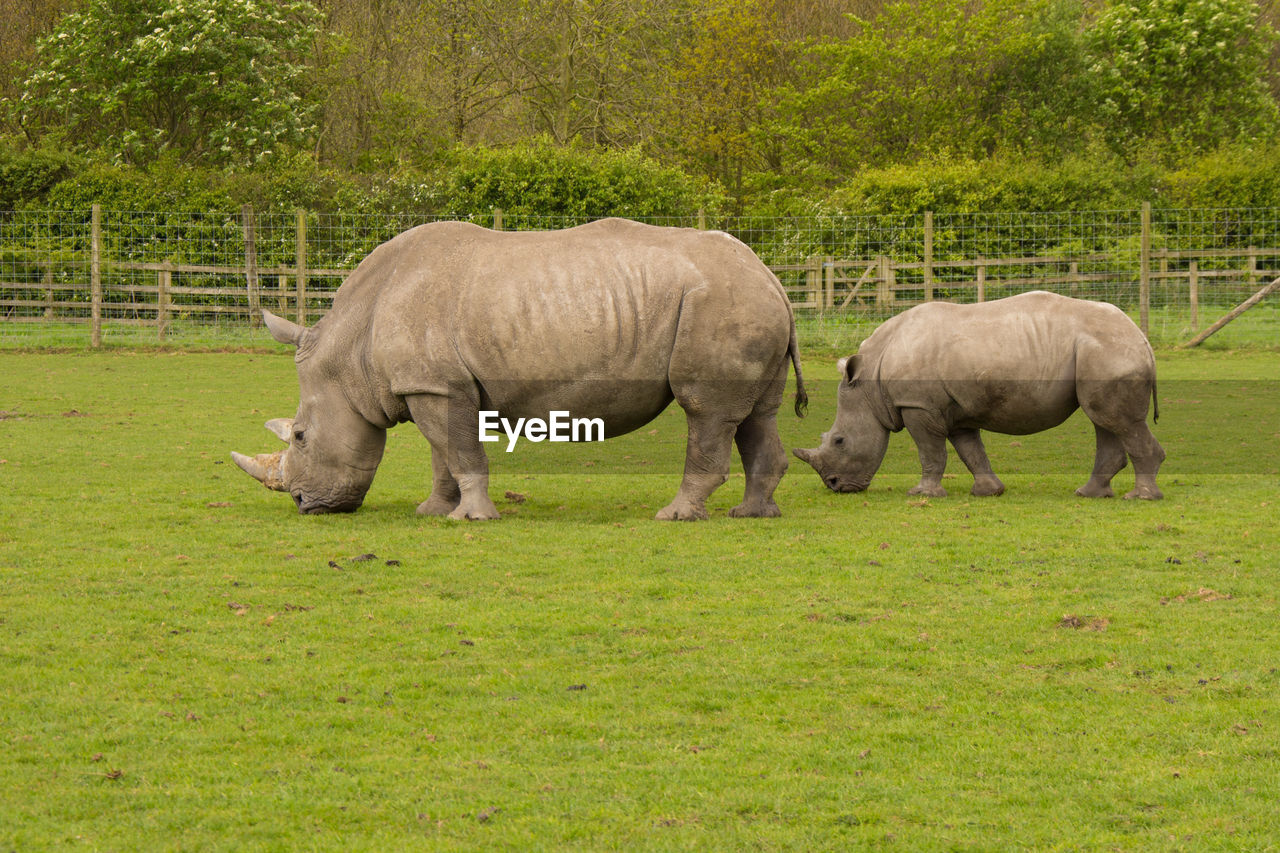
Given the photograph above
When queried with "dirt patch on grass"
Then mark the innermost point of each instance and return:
(1084, 623)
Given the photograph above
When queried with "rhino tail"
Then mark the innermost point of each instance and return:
(1155, 403)
(793, 349)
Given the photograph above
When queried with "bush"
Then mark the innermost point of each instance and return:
(539, 178)
(30, 174)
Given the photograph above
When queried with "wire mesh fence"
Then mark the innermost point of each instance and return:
(125, 277)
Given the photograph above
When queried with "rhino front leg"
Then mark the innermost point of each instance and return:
(445, 492)
(969, 447)
(451, 425)
(931, 446)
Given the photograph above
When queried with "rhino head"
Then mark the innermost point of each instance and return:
(852, 450)
(333, 450)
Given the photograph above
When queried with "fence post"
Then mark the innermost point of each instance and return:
(300, 264)
(164, 280)
(928, 256)
(95, 277)
(813, 280)
(702, 219)
(828, 282)
(1144, 272)
(982, 281)
(884, 287)
(1193, 287)
(251, 265)
(48, 292)
(497, 219)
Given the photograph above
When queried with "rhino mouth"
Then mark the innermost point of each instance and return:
(322, 506)
(838, 484)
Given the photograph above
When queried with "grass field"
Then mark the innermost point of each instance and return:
(187, 663)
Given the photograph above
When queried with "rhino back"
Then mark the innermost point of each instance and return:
(1012, 365)
(1030, 336)
(584, 319)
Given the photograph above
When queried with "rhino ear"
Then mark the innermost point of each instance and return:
(282, 427)
(282, 330)
(848, 367)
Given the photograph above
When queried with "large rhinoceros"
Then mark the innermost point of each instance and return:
(1017, 366)
(611, 321)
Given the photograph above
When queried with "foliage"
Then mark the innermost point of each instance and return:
(935, 77)
(735, 59)
(1185, 74)
(541, 178)
(217, 80)
(28, 174)
(1000, 183)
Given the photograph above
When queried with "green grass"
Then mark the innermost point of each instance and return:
(185, 666)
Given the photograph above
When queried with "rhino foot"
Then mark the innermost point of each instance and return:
(1089, 490)
(436, 506)
(767, 509)
(475, 511)
(928, 491)
(682, 510)
(987, 487)
(1146, 493)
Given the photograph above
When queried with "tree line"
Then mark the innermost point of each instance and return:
(744, 104)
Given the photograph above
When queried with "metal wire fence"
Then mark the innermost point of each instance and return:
(77, 278)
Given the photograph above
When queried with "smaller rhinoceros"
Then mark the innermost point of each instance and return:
(1016, 366)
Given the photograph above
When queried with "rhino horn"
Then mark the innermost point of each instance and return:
(265, 468)
(802, 453)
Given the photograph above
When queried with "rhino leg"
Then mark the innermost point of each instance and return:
(1147, 454)
(969, 447)
(706, 466)
(450, 425)
(931, 446)
(445, 493)
(1107, 462)
(1119, 406)
(764, 462)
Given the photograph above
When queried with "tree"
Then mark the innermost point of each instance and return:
(25, 21)
(404, 79)
(938, 78)
(1185, 74)
(221, 80)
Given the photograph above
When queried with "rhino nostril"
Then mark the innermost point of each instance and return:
(833, 481)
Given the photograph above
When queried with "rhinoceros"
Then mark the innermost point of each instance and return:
(1017, 366)
(610, 321)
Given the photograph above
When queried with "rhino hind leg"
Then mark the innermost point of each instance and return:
(706, 466)
(969, 447)
(765, 461)
(1147, 454)
(1108, 460)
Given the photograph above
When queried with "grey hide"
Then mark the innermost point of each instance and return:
(1017, 366)
(611, 320)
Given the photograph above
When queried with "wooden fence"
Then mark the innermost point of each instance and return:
(154, 293)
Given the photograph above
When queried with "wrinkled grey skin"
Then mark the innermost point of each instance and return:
(610, 320)
(1017, 366)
